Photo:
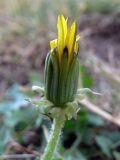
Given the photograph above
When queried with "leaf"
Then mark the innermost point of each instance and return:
(77, 155)
(2, 147)
(80, 156)
(114, 136)
(15, 99)
(117, 155)
(82, 119)
(95, 120)
(105, 144)
(87, 80)
(24, 115)
(34, 77)
(69, 125)
(57, 159)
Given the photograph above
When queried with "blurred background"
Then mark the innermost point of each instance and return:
(26, 27)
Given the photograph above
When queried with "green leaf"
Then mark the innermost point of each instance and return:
(25, 115)
(57, 159)
(116, 155)
(87, 80)
(105, 144)
(80, 156)
(95, 120)
(2, 147)
(69, 125)
(82, 119)
(35, 78)
(15, 99)
(114, 136)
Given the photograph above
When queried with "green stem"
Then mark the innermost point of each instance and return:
(51, 146)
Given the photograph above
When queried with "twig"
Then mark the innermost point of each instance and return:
(105, 68)
(100, 112)
(16, 156)
(18, 147)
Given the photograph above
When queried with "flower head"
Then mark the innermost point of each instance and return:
(62, 66)
(66, 39)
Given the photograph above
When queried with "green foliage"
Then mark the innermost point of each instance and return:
(92, 138)
(104, 143)
(87, 80)
(15, 116)
(89, 132)
(117, 155)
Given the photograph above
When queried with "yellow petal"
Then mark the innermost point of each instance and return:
(76, 44)
(62, 32)
(64, 26)
(71, 40)
(53, 44)
(76, 48)
(77, 38)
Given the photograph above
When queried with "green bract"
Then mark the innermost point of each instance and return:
(61, 81)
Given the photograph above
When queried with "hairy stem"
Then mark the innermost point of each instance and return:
(54, 137)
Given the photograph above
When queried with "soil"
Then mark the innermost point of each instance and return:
(18, 55)
(101, 34)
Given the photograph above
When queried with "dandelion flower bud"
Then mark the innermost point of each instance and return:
(62, 66)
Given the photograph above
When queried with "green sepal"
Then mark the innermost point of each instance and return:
(61, 79)
(48, 75)
(72, 79)
(55, 77)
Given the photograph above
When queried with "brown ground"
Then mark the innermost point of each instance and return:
(19, 53)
